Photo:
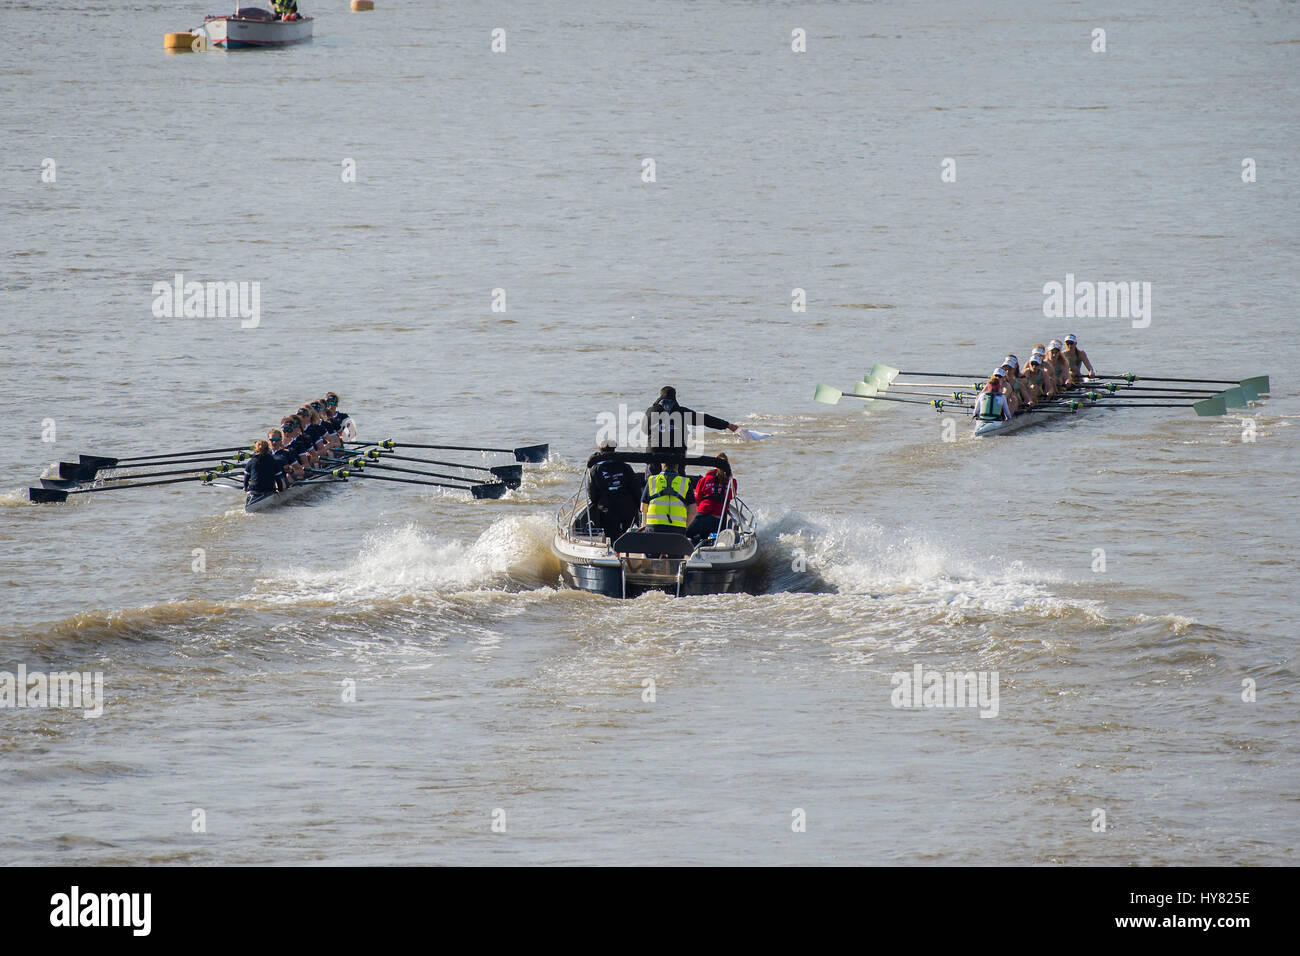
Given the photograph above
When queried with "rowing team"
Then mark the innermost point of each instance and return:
(1050, 371)
(291, 452)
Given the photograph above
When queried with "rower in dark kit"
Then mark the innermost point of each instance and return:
(262, 474)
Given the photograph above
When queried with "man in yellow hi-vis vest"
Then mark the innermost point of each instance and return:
(666, 501)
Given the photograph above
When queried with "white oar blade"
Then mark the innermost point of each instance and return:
(827, 395)
(882, 374)
(1211, 406)
(748, 434)
(1257, 384)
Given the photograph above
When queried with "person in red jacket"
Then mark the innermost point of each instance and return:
(715, 490)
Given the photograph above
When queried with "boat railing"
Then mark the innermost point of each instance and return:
(566, 515)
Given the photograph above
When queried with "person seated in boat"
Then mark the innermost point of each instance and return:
(613, 491)
(332, 413)
(280, 452)
(1075, 358)
(1054, 384)
(317, 431)
(1015, 392)
(1056, 362)
(665, 423)
(667, 501)
(262, 473)
(991, 405)
(1035, 381)
(295, 442)
(286, 9)
(714, 494)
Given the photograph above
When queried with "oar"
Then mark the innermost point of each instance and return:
(103, 464)
(360, 463)
(1115, 387)
(488, 490)
(1257, 383)
(54, 495)
(917, 390)
(504, 472)
(170, 454)
(220, 469)
(831, 396)
(529, 453)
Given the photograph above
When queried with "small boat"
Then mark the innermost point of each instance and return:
(254, 27)
(644, 560)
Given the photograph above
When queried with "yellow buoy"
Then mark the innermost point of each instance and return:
(180, 42)
(363, 4)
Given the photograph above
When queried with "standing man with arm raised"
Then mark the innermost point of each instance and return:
(665, 423)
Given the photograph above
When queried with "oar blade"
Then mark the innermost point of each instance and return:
(827, 395)
(1234, 397)
(1211, 406)
(493, 490)
(509, 473)
(533, 453)
(882, 374)
(1258, 384)
(75, 471)
(865, 389)
(1250, 393)
(46, 496)
(98, 462)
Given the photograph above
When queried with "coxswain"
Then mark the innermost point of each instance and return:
(613, 490)
(262, 473)
(714, 493)
(665, 424)
(1076, 357)
(666, 501)
(991, 405)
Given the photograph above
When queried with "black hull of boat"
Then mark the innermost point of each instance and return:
(609, 581)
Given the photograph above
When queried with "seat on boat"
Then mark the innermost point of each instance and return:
(667, 544)
(725, 539)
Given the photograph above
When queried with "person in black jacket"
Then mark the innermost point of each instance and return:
(262, 474)
(613, 492)
(665, 423)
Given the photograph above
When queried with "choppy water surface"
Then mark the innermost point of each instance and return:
(480, 683)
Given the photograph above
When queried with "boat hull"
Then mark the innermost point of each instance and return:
(590, 564)
(234, 33)
(255, 502)
(647, 574)
(990, 429)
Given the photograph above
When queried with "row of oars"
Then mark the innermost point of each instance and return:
(353, 460)
(940, 395)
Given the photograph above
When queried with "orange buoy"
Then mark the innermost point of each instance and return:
(180, 42)
(363, 4)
